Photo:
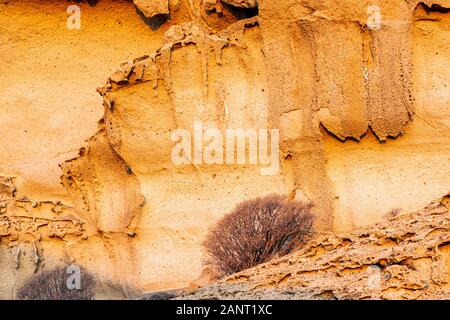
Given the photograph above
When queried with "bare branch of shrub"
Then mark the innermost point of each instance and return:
(257, 231)
(393, 212)
(52, 285)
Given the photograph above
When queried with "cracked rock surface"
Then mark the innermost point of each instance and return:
(404, 257)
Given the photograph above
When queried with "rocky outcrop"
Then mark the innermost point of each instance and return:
(405, 257)
(106, 191)
(242, 3)
(151, 8)
(359, 95)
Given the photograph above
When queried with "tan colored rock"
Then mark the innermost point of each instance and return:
(362, 112)
(151, 8)
(406, 257)
(242, 3)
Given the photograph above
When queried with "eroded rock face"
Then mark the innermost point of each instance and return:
(242, 3)
(361, 105)
(405, 257)
(103, 184)
(151, 8)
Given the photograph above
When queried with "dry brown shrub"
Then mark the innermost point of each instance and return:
(393, 212)
(256, 231)
(52, 285)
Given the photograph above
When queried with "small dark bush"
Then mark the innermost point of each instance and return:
(393, 212)
(257, 231)
(52, 285)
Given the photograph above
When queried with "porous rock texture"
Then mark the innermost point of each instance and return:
(363, 114)
(404, 257)
(152, 8)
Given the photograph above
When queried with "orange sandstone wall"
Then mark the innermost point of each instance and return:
(87, 176)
